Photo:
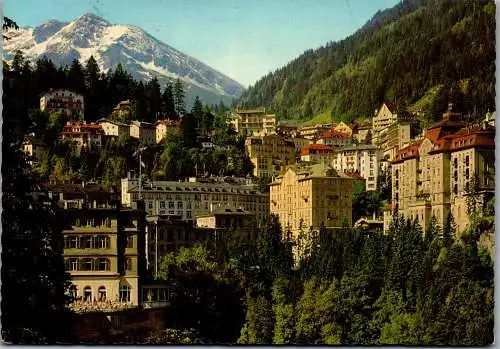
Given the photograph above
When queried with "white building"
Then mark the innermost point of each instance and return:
(196, 198)
(362, 159)
(64, 101)
(114, 128)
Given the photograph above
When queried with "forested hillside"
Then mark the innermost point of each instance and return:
(418, 48)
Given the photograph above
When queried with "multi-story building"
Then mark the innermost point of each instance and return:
(383, 118)
(430, 176)
(162, 127)
(300, 143)
(103, 245)
(350, 129)
(394, 137)
(316, 153)
(287, 131)
(143, 131)
(269, 154)
(253, 122)
(311, 132)
(115, 128)
(306, 198)
(34, 148)
(83, 134)
(196, 197)
(64, 101)
(362, 159)
(333, 138)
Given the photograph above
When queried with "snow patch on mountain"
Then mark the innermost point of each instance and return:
(142, 55)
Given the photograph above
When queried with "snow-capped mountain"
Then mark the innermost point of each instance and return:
(140, 54)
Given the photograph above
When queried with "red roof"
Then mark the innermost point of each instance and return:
(316, 149)
(332, 133)
(354, 175)
(408, 152)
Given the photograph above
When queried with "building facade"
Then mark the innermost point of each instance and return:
(316, 153)
(306, 198)
(362, 159)
(269, 154)
(64, 101)
(83, 134)
(333, 138)
(195, 198)
(114, 128)
(34, 148)
(143, 131)
(433, 176)
(253, 122)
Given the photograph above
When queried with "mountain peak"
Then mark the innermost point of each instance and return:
(92, 18)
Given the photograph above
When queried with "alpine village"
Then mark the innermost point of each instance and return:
(348, 197)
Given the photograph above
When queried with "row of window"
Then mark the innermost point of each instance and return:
(124, 294)
(93, 264)
(93, 241)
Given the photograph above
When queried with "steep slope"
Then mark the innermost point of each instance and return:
(140, 54)
(399, 55)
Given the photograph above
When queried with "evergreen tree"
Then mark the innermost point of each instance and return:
(168, 103)
(180, 106)
(153, 96)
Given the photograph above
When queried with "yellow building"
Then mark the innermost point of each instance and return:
(383, 118)
(115, 128)
(103, 252)
(143, 131)
(162, 127)
(312, 132)
(305, 198)
(253, 122)
(269, 154)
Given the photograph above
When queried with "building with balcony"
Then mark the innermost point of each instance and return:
(196, 197)
(333, 138)
(123, 109)
(433, 176)
(269, 154)
(316, 153)
(313, 131)
(307, 197)
(82, 134)
(63, 101)
(362, 159)
(253, 122)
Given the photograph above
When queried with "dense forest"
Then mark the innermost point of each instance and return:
(402, 287)
(411, 54)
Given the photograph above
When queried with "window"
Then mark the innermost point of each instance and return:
(90, 221)
(71, 242)
(73, 264)
(128, 264)
(130, 241)
(171, 204)
(87, 293)
(103, 264)
(162, 204)
(150, 205)
(73, 292)
(102, 242)
(86, 242)
(180, 205)
(101, 293)
(124, 293)
(86, 264)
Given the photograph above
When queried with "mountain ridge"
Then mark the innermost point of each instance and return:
(398, 55)
(139, 52)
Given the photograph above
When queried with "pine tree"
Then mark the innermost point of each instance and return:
(153, 97)
(180, 106)
(168, 103)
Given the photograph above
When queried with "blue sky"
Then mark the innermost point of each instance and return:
(242, 39)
